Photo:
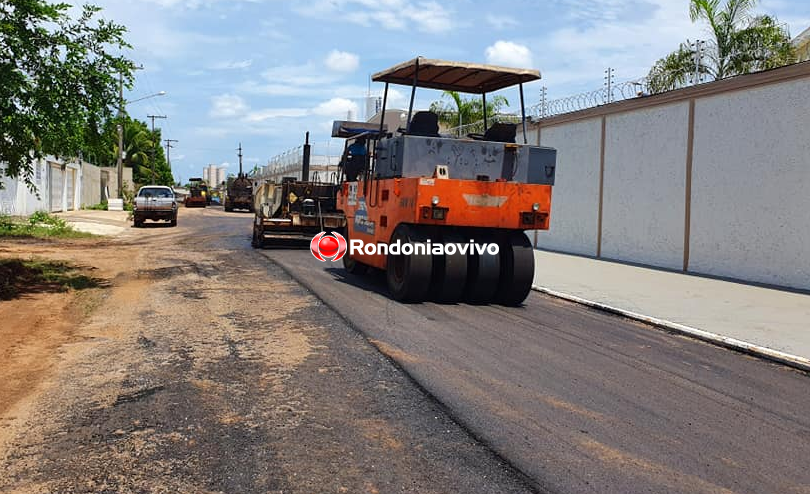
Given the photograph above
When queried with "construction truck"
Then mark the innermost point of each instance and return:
(198, 196)
(295, 210)
(417, 187)
(239, 191)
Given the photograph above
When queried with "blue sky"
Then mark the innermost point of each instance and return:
(263, 72)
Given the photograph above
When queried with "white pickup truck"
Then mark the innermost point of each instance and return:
(155, 202)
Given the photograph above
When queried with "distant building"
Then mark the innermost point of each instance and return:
(373, 106)
(802, 44)
(214, 175)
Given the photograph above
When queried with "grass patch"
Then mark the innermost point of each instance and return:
(19, 276)
(102, 206)
(39, 225)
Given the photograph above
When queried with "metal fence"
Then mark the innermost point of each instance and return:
(603, 96)
(324, 160)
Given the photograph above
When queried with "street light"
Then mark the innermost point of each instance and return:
(121, 113)
(161, 93)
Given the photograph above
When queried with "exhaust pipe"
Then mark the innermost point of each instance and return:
(305, 165)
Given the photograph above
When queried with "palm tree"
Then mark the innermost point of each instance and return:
(464, 111)
(740, 43)
(137, 146)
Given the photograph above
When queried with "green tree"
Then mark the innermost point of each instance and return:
(58, 79)
(141, 148)
(740, 43)
(463, 111)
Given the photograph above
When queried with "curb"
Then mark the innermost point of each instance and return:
(787, 359)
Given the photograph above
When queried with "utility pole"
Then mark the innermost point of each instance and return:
(240, 159)
(698, 51)
(168, 147)
(153, 117)
(121, 113)
(543, 92)
(609, 77)
(120, 135)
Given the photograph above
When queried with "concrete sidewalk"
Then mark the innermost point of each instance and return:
(760, 320)
(98, 222)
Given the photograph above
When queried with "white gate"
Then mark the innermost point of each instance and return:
(70, 178)
(56, 180)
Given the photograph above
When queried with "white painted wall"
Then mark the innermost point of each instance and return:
(644, 186)
(575, 197)
(531, 135)
(750, 203)
(751, 185)
(17, 200)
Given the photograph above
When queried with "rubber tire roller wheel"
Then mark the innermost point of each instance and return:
(254, 241)
(517, 269)
(449, 272)
(408, 277)
(483, 273)
(353, 266)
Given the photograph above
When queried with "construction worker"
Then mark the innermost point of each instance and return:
(355, 159)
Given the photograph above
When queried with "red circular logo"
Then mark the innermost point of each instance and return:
(332, 246)
(328, 246)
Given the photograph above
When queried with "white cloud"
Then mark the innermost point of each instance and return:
(234, 64)
(336, 107)
(509, 54)
(268, 113)
(342, 61)
(400, 15)
(307, 79)
(501, 21)
(297, 75)
(227, 105)
(582, 53)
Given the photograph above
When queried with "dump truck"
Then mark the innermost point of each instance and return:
(419, 188)
(239, 191)
(295, 210)
(198, 196)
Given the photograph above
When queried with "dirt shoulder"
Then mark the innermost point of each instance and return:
(202, 367)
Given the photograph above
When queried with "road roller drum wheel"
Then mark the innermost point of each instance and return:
(408, 277)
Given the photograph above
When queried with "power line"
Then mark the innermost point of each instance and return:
(168, 147)
(153, 117)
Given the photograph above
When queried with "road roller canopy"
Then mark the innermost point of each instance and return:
(455, 76)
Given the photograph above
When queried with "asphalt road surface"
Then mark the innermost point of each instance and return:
(582, 401)
(208, 368)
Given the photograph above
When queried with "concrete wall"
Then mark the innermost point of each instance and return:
(751, 193)
(733, 201)
(52, 194)
(90, 185)
(575, 197)
(645, 173)
(109, 178)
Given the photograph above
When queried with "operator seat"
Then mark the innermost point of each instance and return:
(425, 124)
(498, 132)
